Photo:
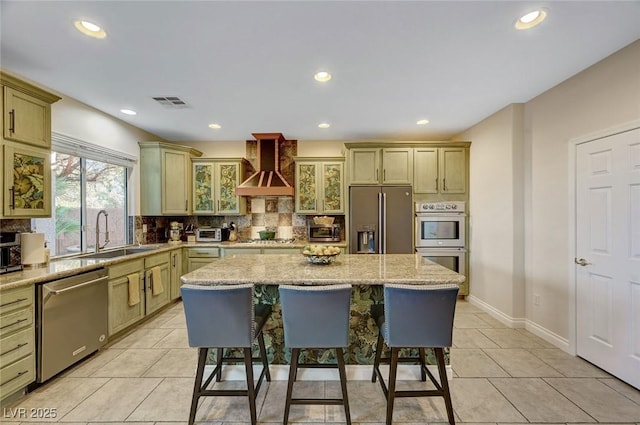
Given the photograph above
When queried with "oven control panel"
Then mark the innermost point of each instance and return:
(434, 207)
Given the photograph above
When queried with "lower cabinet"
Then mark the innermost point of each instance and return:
(175, 257)
(199, 257)
(122, 312)
(157, 291)
(17, 340)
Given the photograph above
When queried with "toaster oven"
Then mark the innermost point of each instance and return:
(209, 234)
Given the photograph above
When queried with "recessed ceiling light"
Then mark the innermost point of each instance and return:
(215, 126)
(422, 122)
(90, 29)
(322, 76)
(128, 111)
(324, 125)
(531, 19)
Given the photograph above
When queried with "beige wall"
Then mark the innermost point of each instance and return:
(495, 208)
(601, 97)
(75, 119)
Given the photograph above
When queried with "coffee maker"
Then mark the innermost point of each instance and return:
(10, 252)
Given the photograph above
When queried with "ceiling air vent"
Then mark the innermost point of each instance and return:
(171, 102)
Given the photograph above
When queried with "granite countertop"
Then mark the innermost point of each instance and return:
(68, 266)
(293, 269)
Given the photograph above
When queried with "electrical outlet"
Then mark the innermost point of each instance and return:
(536, 299)
(144, 228)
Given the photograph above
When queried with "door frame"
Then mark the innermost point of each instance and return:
(572, 147)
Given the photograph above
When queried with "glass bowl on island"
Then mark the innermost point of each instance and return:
(320, 254)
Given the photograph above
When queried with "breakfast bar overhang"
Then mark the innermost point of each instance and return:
(365, 273)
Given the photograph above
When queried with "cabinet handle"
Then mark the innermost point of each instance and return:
(384, 174)
(12, 198)
(376, 174)
(218, 204)
(12, 121)
(17, 347)
(174, 260)
(15, 377)
(14, 323)
(19, 300)
(186, 205)
(444, 184)
(436, 183)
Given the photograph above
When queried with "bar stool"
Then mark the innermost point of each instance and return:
(316, 317)
(225, 317)
(415, 317)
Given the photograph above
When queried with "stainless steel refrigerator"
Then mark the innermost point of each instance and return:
(381, 220)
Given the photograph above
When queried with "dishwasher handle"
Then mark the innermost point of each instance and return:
(71, 288)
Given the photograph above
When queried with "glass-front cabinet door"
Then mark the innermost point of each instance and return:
(228, 176)
(27, 181)
(319, 186)
(332, 187)
(203, 188)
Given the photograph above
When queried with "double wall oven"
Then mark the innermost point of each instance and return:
(441, 233)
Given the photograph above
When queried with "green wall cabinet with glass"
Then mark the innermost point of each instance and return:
(319, 186)
(26, 181)
(440, 170)
(165, 178)
(26, 144)
(388, 165)
(214, 186)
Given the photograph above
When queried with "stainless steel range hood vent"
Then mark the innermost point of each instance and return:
(267, 181)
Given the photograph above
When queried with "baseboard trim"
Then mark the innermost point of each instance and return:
(521, 323)
(354, 372)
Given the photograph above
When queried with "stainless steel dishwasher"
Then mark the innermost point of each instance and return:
(71, 320)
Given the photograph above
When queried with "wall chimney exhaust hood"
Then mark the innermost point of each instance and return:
(267, 181)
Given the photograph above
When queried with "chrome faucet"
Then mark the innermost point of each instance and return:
(106, 233)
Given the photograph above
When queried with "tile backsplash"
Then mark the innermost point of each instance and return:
(264, 213)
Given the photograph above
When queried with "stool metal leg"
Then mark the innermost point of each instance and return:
(202, 360)
(444, 383)
(393, 369)
(295, 352)
(343, 383)
(423, 365)
(219, 357)
(376, 360)
(251, 392)
(263, 356)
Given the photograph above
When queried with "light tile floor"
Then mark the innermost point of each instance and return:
(501, 376)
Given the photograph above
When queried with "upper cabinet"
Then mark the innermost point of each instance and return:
(26, 143)
(440, 170)
(214, 186)
(390, 166)
(26, 115)
(165, 178)
(319, 186)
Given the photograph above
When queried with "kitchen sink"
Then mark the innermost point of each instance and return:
(121, 252)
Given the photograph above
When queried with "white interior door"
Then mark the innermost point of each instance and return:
(608, 254)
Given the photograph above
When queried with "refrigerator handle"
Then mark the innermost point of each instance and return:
(380, 221)
(384, 222)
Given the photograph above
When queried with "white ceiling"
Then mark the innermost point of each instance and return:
(249, 65)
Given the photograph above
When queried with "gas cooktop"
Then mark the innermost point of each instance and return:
(267, 241)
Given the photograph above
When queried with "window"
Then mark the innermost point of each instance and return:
(82, 187)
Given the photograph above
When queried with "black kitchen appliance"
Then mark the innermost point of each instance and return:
(10, 260)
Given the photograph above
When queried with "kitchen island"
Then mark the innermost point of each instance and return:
(365, 272)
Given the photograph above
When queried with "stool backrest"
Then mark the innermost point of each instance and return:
(419, 316)
(219, 316)
(315, 316)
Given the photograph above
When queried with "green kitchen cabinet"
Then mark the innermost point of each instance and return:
(175, 258)
(165, 178)
(319, 186)
(440, 170)
(26, 112)
(374, 166)
(27, 181)
(157, 294)
(121, 313)
(214, 186)
(199, 257)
